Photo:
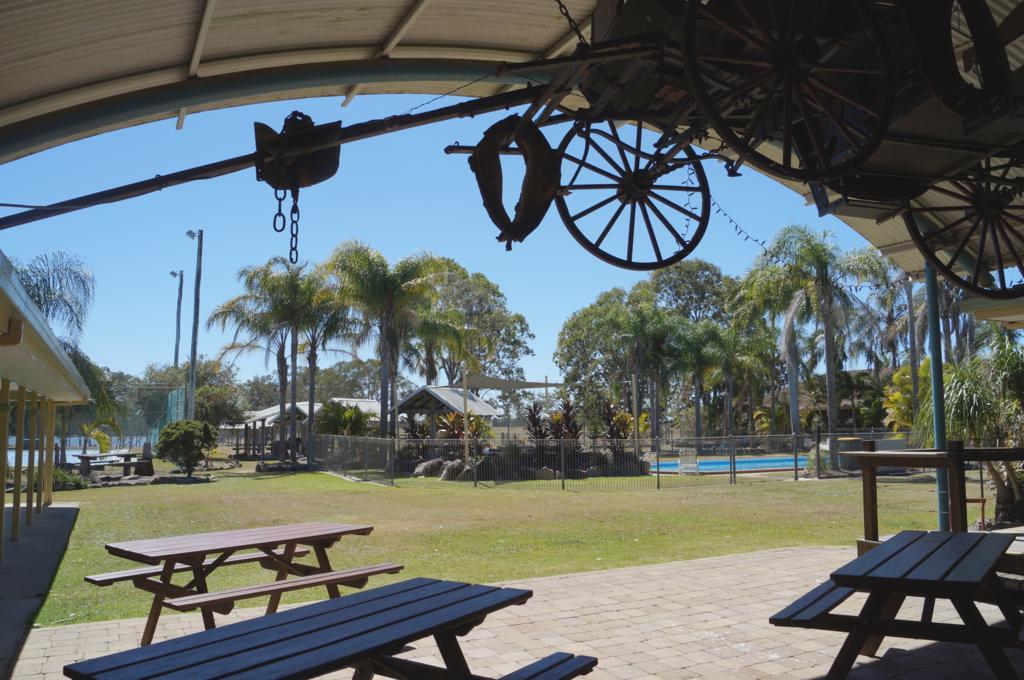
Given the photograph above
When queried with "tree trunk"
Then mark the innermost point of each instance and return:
(384, 353)
(282, 394)
(831, 393)
(750, 407)
(698, 396)
(728, 404)
(655, 409)
(393, 405)
(293, 416)
(947, 342)
(793, 378)
(774, 404)
(908, 289)
(311, 418)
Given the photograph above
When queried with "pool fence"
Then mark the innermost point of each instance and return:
(576, 465)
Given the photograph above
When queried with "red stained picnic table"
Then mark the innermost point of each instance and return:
(274, 548)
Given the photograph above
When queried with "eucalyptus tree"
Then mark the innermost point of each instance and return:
(389, 300)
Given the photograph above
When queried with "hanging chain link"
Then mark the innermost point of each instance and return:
(293, 250)
(279, 221)
(572, 23)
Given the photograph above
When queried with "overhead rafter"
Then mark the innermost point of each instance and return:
(197, 52)
(391, 43)
(563, 44)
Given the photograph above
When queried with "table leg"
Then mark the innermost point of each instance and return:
(847, 656)
(889, 611)
(157, 606)
(928, 610)
(870, 490)
(199, 576)
(363, 671)
(454, 660)
(325, 564)
(282, 574)
(993, 653)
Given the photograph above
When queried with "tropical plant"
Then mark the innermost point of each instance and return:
(185, 443)
(451, 426)
(536, 425)
(350, 421)
(389, 299)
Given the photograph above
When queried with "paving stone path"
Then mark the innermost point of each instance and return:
(705, 618)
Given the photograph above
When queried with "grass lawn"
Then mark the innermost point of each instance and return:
(481, 535)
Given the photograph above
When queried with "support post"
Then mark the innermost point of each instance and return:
(5, 397)
(938, 393)
(51, 449)
(19, 449)
(33, 426)
(41, 455)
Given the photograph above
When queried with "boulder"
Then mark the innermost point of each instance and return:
(452, 470)
(429, 468)
(546, 473)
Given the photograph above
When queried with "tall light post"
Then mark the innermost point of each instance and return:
(191, 403)
(180, 275)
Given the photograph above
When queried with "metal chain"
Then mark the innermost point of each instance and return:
(293, 250)
(279, 221)
(572, 23)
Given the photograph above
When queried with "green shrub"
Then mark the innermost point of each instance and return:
(185, 443)
(68, 480)
(335, 418)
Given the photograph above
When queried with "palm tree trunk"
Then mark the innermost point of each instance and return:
(793, 379)
(282, 395)
(828, 325)
(908, 289)
(728, 404)
(384, 391)
(774, 403)
(698, 396)
(655, 409)
(750, 408)
(294, 389)
(393, 415)
(311, 401)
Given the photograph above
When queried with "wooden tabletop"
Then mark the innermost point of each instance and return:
(313, 639)
(196, 546)
(929, 562)
(924, 459)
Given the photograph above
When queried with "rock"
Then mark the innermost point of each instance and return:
(429, 468)
(452, 470)
(546, 473)
(195, 479)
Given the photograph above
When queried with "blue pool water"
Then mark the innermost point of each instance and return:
(743, 464)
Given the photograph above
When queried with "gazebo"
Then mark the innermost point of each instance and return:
(432, 401)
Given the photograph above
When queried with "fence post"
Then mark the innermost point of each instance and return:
(393, 460)
(475, 469)
(796, 459)
(817, 452)
(657, 470)
(366, 463)
(561, 460)
(732, 461)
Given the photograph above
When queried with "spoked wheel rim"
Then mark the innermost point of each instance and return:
(973, 230)
(627, 202)
(797, 88)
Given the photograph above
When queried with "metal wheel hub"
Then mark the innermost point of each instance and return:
(634, 187)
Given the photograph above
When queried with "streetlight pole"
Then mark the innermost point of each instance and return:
(180, 275)
(191, 404)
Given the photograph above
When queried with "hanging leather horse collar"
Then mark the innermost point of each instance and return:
(540, 181)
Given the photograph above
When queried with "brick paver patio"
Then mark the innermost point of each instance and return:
(705, 618)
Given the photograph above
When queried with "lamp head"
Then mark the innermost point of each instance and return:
(191, 234)
(174, 274)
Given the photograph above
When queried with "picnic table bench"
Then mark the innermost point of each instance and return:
(273, 548)
(123, 459)
(364, 631)
(959, 567)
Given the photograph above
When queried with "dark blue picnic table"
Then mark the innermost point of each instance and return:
(364, 631)
(959, 567)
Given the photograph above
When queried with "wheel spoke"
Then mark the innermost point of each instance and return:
(998, 253)
(952, 194)
(759, 114)
(787, 123)
(689, 213)
(945, 229)
(632, 231)
(844, 130)
(596, 206)
(575, 187)
(671, 187)
(590, 166)
(650, 232)
(668, 225)
(639, 141)
(608, 227)
(981, 254)
(604, 154)
(942, 208)
(740, 89)
(1002, 226)
(728, 59)
(963, 244)
(618, 143)
(754, 22)
(847, 70)
(738, 32)
(822, 85)
(823, 158)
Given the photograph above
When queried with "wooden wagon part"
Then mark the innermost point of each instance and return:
(540, 181)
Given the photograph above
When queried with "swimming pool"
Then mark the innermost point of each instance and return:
(718, 465)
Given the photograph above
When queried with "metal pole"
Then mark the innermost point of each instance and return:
(938, 394)
(465, 411)
(191, 403)
(817, 451)
(796, 460)
(5, 408)
(177, 322)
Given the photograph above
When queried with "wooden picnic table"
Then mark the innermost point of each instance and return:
(275, 548)
(87, 460)
(362, 631)
(959, 567)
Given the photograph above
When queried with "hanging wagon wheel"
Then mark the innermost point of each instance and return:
(972, 229)
(628, 203)
(797, 88)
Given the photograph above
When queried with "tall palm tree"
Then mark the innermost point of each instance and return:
(389, 299)
(813, 262)
(696, 350)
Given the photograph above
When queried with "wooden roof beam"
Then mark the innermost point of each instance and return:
(197, 52)
(388, 46)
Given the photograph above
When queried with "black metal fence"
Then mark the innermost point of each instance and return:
(576, 465)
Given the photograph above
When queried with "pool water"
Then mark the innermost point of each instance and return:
(743, 464)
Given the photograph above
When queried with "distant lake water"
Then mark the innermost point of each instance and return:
(74, 447)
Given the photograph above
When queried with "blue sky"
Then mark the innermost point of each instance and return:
(399, 193)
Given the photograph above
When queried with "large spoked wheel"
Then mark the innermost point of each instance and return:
(972, 230)
(627, 202)
(798, 88)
